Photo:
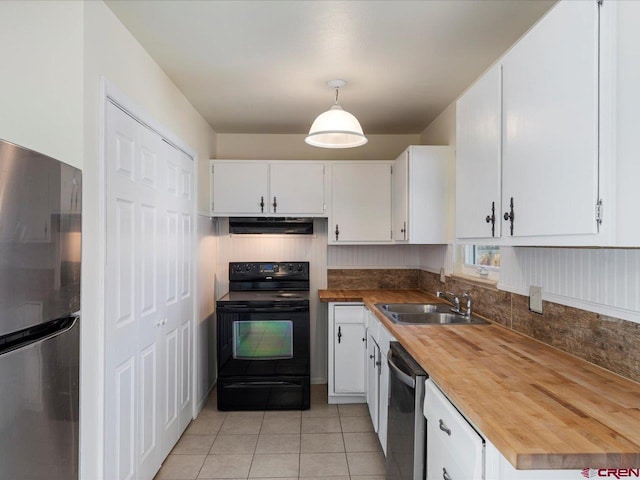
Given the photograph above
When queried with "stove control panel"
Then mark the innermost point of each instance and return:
(268, 270)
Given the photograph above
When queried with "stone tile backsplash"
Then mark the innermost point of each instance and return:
(373, 279)
(609, 342)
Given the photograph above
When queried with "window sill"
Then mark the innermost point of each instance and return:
(481, 282)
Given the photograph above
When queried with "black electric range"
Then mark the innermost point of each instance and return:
(263, 337)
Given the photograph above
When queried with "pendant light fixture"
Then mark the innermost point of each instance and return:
(336, 128)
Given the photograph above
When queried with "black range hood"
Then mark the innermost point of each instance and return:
(271, 225)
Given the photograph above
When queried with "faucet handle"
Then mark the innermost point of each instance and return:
(469, 300)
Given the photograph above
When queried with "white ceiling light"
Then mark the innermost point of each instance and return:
(336, 128)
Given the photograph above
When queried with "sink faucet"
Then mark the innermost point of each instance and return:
(468, 297)
(452, 298)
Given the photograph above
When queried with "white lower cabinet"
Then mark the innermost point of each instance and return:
(373, 376)
(454, 448)
(378, 339)
(458, 451)
(347, 349)
(384, 338)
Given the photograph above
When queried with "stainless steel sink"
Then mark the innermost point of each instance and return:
(414, 307)
(426, 314)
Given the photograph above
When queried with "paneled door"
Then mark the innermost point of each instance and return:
(149, 221)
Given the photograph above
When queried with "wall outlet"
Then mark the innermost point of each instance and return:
(535, 299)
(443, 278)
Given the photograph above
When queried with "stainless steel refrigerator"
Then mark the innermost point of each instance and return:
(40, 248)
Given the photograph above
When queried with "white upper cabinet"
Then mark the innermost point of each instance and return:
(239, 187)
(421, 195)
(478, 158)
(254, 187)
(297, 188)
(550, 91)
(625, 136)
(360, 203)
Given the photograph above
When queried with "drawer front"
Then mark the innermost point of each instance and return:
(349, 313)
(454, 448)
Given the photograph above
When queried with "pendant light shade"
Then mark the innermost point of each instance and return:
(336, 128)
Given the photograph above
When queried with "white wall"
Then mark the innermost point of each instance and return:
(205, 323)
(442, 131)
(292, 147)
(41, 45)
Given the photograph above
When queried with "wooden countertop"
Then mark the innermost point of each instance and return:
(540, 407)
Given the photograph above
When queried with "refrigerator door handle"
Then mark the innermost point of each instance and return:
(27, 336)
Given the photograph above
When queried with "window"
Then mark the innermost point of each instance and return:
(482, 256)
(481, 261)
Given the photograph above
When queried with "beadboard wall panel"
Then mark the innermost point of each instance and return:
(605, 281)
(283, 248)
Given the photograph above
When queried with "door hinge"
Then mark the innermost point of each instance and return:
(212, 209)
(212, 169)
(391, 169)
(391, 234)
(599, 212)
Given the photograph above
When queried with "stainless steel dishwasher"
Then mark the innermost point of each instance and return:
(406, 434)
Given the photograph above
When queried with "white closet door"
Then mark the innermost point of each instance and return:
(177, 332)
(185, 269)
(148, 344)
(121, 302)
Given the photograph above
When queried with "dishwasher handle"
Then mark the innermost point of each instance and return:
(408, 380)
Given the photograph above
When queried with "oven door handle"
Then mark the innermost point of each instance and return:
(258, 384)
(250, 309)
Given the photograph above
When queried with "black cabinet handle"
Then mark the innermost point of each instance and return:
(444, 428)
(445, 474)
(261, 204)
(492, 219)
(337, 232)
(275, 204)
(339, 334)
(510, 217)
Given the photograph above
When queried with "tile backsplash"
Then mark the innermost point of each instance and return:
(605, 341)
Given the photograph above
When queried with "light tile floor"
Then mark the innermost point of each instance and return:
(333, 442)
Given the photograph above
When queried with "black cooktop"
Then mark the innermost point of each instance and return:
(268, 282)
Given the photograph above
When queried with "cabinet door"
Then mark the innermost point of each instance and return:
(373, 377)
(550, 126)
(349, 349)
(239, 188)
(361, 203)
(384, 338)
(478, 158)
(296, 188)
(401, 197)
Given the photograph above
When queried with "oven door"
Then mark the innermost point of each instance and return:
(263, 356)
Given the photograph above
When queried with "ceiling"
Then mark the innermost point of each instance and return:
(261, 66)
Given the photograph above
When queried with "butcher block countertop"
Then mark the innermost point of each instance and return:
(540, 407)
